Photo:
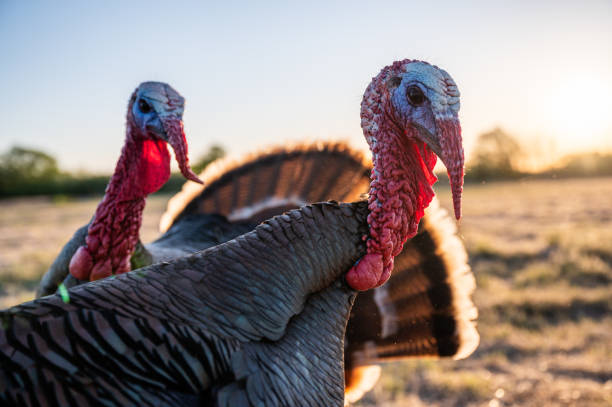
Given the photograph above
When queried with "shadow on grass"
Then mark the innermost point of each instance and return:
(536, 316)
(600, 377)
(587, 267)
(504, 265)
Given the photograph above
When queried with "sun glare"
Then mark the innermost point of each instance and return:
(580, 111)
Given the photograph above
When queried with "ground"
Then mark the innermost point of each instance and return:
(542, 255)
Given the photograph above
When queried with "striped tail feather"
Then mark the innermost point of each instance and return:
(271, 182)
(424, 310)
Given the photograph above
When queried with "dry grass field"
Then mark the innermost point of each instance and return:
(542, 255)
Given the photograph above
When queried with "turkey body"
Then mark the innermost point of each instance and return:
(425, 310)
(202, 329)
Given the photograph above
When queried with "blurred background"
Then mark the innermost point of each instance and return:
(536, 84)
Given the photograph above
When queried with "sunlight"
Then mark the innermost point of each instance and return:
(579, 110)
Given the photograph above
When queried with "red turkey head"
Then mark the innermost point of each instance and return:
(421, 101)
(409, 114)
(154, 118)
(156, 112)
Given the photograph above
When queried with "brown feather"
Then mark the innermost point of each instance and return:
(424, 310)
(272, 182)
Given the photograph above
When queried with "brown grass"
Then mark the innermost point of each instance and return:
(33, 230)
(542, 255)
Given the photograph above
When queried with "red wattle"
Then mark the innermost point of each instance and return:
(81, 264)
(101, 269)
(366, 273)
(402, 174)
(154, 166)
(144, 166)
(399, 193)
(384, 276)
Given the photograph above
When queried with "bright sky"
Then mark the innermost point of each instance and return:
(260, 74)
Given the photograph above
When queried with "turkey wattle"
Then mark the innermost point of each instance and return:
(409, 114)
(424, 310)
(215, 321)
(154, 119)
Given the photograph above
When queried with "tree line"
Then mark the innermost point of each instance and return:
(497, 156)
(500, 156)
(28, 172)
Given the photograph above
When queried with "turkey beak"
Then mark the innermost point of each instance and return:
(430, 138)
(450, 151)
(173, 129)
(445, 142)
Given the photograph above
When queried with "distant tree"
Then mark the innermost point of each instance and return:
(496, 155)
(213, 153)
(28, 164)
(24, 170)
(584, 165)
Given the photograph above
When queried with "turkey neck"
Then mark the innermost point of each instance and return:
(400, 189)
(142, 168)
(399, 192)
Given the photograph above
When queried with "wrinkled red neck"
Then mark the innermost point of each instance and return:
(144, 166)
(403, 173)
(402, 176)
(400, 191)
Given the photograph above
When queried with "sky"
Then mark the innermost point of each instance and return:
(261, 73)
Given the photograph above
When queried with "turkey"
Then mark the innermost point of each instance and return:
(104, 247)
(239, 324)
(423, 311)
(409, 114)
(442, 322)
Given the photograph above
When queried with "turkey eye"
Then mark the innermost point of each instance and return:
(143, 106)
(415, 95)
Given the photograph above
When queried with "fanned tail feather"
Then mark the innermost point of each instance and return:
(424, 310)
(261, 185)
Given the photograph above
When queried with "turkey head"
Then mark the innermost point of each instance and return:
(409, 115)
(154, 119)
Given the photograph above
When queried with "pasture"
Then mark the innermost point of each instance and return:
(541, 251)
